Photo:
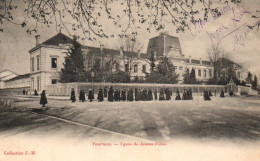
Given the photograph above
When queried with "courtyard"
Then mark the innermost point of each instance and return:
(220, 129)
(229, 118)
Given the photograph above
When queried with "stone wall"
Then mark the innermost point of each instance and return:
(64, 89)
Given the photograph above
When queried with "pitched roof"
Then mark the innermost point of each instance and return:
(227, 61)
(7, 74)
(96, 50)
(60, 38)
(20, 77)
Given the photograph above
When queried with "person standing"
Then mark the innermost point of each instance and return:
(222, 93)
(136, 94)
(184, 95)
(82, 96)
(43, 100)
(100, 95)
(123, 94)
(206, 96)
(23, 91)
(139, 95)
(72, 95)
(190, 94)
(110, 94)
(167, 93)
(178, 97)
(130, 95)
(150, 95)
(155, 95)
(144, 95)
(127, 95)
(90, 95)
(116, 95)
(35, 92)
(105, 92)
(161, 95)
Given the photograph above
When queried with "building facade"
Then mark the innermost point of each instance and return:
(47, 58)
(169, 46)
(4, 76)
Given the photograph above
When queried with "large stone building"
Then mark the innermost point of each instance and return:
(169, 46)
(47, 58)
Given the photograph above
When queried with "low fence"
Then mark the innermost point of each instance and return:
(15, 91)
(7, 102)
(64, 89)
(249, 90)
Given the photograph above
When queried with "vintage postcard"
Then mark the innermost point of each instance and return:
(129, 80)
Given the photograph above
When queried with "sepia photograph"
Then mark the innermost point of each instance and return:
(129, 80)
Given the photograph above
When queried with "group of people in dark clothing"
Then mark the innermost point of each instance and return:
(116, 95)
(131, 95)
(207, 94)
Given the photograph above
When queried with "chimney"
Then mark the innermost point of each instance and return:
(37, 39)
(139, 53)
(101, 48)
(164, 32)
(121, 51)
(189, 59)
(200, 61)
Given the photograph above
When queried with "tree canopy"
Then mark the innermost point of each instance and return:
(255, 83)
(87, 16)
(164, 73)
(73, 67)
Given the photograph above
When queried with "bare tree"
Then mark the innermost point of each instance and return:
(131, 49)
(87, 16)
(214, 54)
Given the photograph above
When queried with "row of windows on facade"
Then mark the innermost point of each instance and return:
(53, 63)
(205, 73)
(180, 68)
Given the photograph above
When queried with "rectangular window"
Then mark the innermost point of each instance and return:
(126, 67)
(210, 73)
(199, 73)
(32, 64)
(54, 81)
(32, 84)
(144, 68)
(38, 84)
(180, 67)
(38, 62)
(135, 68)
(53, 62)
(205, 73)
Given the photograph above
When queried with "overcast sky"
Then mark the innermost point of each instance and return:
(234, 37)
